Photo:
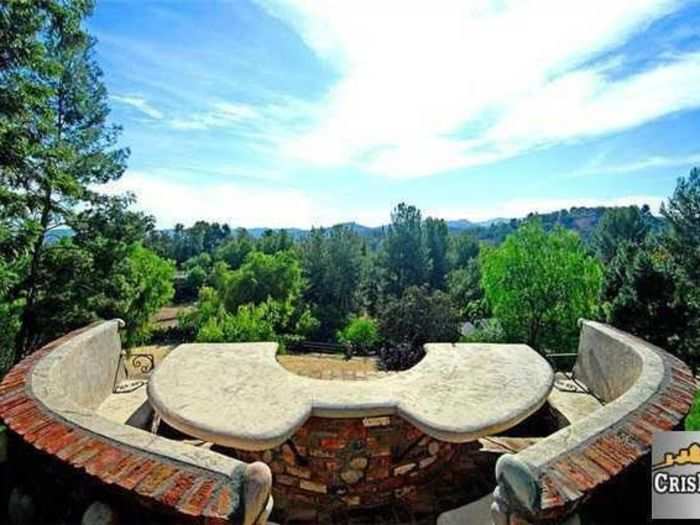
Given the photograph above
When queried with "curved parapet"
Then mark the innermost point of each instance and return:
(238, 395)
(645, 390)
(49, 401)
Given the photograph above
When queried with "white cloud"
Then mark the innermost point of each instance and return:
(221, 115)
(503, 76)
(656, 161)
(172, 201)
(139, 103)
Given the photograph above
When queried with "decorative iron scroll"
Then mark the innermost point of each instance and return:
(142, 363)
(145, 363)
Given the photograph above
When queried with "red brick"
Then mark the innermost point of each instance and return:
(223, 505)
(333, 444)
(550, 495)
(199, 498)
(34, 426)
(155, 482)
(10, 384)
(100, 463)
(60, 443)
(597, 454)
(47, 439)
(12, 399)
(87, 453)
(53, 426)
(133, 476)
(566, 488)
(26, 421)
(73, 447)
(17, 410)
(120, 468)
(180, 486)
(591, 468)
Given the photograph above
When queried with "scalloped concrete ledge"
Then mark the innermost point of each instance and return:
(50, 399)
(240, 396)
(645, 390)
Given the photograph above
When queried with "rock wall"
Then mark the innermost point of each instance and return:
(357, 463)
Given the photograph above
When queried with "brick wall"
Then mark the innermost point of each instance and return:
(356, 463)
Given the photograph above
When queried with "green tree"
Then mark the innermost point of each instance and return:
(419, 316)
(261, 300)
(631, 224)
(682, 214)
(436, 243)
(645, 294)
(273, 241)
(405, 258)
(362, 333)
(463, 248)
(464, 288)
(263, 277)
(53, 111)
(539, 284)
(102, 271)
(234, 251)
(332, 266)
(150, 282)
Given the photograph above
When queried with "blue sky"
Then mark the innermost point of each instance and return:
(311, 112)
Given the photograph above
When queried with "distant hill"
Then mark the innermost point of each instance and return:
(579, 219)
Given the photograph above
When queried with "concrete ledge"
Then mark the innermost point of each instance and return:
(238, 395)
(49, 400)
(652, 392)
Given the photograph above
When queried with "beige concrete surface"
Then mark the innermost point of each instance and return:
(239, 395)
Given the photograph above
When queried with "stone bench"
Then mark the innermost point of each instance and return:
(644, 390)
(49, 401)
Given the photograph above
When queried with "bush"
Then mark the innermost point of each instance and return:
(400, 356)
(487, 331)
(362, 333)
(692, 420)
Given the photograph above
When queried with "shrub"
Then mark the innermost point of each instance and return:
(692, 421)
(400, 356)
(362, 333)
(487, 331)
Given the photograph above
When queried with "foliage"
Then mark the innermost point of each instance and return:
(362, 333)
(436, 245)
(417, 317)
(261, 300)
(630, 224)
(400, 356)
(464, 288)
(464, 247)
(682, 214)
(644, 295)
(234, 251)
(263, 277)
(486, 331)
(692, 420)
(150, 282)
(55, 137)
(405, 257)
(539, 284)
(332, 265)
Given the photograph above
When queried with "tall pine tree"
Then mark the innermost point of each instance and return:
(54, 130)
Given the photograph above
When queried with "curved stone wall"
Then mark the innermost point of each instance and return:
(49, 400)
(358, 462)
(645, 389)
